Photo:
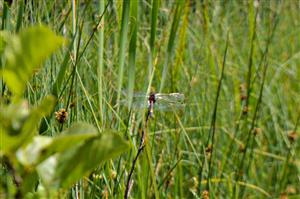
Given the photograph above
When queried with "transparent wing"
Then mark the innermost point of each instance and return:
(139, 101)
(170, 98)
(162, 106)
(169, 102)
(164, 102)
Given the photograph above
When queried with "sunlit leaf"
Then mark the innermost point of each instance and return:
(30, 179)
(73, 136)
(19, 125)
(24, 54)
(30, 154)
(12, 119)
(76, 163)
(42, 147)
(46, 171)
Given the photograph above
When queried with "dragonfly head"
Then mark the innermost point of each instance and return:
(151, 98)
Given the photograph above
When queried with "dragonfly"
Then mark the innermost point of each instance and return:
(158, 101)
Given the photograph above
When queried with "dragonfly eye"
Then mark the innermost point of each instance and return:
(152, 98)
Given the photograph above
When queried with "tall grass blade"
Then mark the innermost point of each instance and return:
(100, 63)
(181, 46)
(154, 14)
(171, 43)
(122, 47)
(250, 135)
(212, 132)
(20, 15)
(132, 50)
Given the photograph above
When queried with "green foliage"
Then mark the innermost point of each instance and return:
(132, 50)
(85, 157)
(24, 54)
(19, 123)
(122, 45)
(61, 160)
(64, 159)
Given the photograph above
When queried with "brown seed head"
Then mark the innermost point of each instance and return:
(243, 97)
(291, 189)
(113, 174)
(242, 148)
(242, 87)
(205, 194)
(243, 93)
(195, 184)
(61, 116)
(292, 136)
(105, 193)
(208, 149)
(257, 131)
(72, 104)
(64, 12)
(245, 110)
(241, 173)
(283, 196)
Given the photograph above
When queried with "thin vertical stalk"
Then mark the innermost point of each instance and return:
(74, 53)
(176, 19)
(250, 61)
(57, 85)
(122, 47)
(129, 182)
(154, 15)
(256, 110)
(20, 15)
(252, 23)
(5, 15)
(181, 46)
(74, 26)
(212, 132)
(79, 55)
(288, 158)
(204, 11)
(132, 50)
(100, 63)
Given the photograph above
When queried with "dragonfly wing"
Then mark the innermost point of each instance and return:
(168, 106)
(140, 104)
(137, 102)
(169, 102)
(164, 102)
(170, 98)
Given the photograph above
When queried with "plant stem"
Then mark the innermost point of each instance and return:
(140, 149)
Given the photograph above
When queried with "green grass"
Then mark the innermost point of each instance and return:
(116, 48)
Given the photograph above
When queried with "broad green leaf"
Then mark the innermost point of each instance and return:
(30, 154)
(72, 137)
(24, 54)
(12, 118)
(19, 125)
(42, 147)
(46, 171)
(74, 164)
(42, 110)
(29, 181)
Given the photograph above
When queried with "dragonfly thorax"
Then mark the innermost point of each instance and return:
(152, 98)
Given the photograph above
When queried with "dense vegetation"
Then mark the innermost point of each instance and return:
(236, 62)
